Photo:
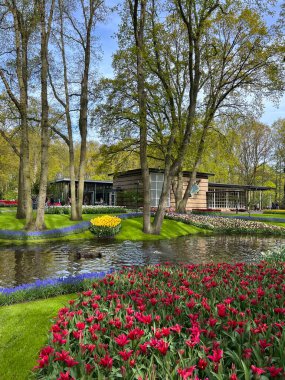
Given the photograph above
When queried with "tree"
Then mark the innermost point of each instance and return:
(19, 20)
(253, 148)
(242, 57)
(137, 9)
(172, 85)
(76, 35)
(46, 22)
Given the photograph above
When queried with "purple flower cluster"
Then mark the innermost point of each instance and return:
(56, 281)
(130, 215)
(25, 235)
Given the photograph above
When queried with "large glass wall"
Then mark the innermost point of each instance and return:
(226, 198)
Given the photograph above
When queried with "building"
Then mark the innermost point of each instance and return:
(95, 192)
(126, 190)
(204, 194)
(230, 196)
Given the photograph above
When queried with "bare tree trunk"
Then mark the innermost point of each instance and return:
(177, 188)
(83, 121)
(22, 72)
(21, 212)
(27, 192)
(22, 35)
(84, 97)
(159, 215)
(138, 14)
(40, 219)
(66, 105)
(182, 203)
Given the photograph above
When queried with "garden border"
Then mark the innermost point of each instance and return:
(54, 233)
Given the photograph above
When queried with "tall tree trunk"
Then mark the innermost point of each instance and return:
(83, 115)
(177, 188)
(83, 127)
(21, 212)
(27, 190)
(66, 105)
(159, 215)
(182, 203)
(21, 34)
(22, 71)
(40, 221)
(138, 14)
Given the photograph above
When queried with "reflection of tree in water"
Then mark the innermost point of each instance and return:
(26, 263)
(19, 266)
(32, 262)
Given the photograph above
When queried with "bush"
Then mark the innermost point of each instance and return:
(207, 211)
(276, 255)
(105, 226)
(216, 321)
(281, 212)
(86, 209)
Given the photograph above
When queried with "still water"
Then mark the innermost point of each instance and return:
(24, 264)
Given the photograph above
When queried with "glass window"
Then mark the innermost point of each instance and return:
(156, 183)
(226, 199)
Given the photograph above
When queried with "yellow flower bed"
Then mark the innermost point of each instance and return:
(106, 221)
(105, 226)
(281, 212)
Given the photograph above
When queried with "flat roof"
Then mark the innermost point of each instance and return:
(239, 187)
(155, 170)
(85, 181)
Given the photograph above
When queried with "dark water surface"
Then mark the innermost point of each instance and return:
(24, 264)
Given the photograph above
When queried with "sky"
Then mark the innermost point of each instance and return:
(106, 33)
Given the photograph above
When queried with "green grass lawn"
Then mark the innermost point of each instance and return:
(254, 214)
(8, 221)
(23, 331)
(132, 230)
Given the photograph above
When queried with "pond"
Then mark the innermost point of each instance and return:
(27, 263)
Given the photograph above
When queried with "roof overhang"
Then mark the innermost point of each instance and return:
(130, 173)
(231, 187)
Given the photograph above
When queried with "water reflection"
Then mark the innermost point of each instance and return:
(23, 264)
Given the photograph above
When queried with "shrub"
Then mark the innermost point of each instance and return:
(280, 212)
(86, 209)
(215, 321)
(105, 226)
(207, 211)
(276, 255)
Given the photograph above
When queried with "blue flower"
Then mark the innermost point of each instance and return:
(56, 281)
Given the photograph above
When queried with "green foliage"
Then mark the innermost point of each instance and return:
(275, 256)
(105, 226)
(94, 210)
(23, 330)
(274, 212)
(206, 212)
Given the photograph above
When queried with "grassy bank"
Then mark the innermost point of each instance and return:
(131, 228)
(23, 331)
(8, 221)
